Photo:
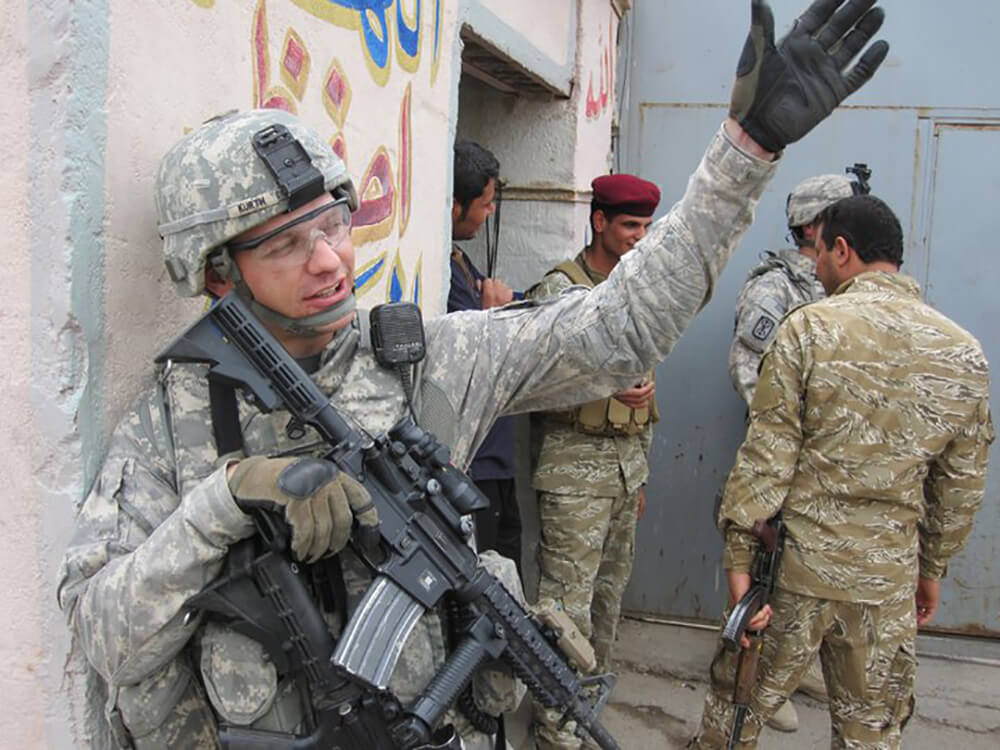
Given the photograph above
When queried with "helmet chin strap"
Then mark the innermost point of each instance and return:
(311, 325)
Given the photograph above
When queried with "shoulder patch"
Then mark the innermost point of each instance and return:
(763, 328)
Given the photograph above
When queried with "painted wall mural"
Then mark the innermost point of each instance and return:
(384, 25)
(284, 74)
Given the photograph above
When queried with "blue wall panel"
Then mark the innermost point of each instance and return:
(679, 73)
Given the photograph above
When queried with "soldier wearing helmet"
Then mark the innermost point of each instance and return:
(256, 204)
(298, 193)
(784, 279)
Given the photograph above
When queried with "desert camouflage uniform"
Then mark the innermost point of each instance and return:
(588, 497)
(152, 533)
(781, 282)
(869, 430)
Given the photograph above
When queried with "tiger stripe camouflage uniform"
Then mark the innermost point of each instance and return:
(782, 281)
(869, 431)
(149, 538)
(588, 498)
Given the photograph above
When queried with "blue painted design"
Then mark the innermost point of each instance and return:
(395, 286)
(369, 273)
(378, 48)
(437, 30)
(416, 289)
(409, 38)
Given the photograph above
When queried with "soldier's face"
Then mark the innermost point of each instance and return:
(319, 279)
(620, 234)
(465, 224)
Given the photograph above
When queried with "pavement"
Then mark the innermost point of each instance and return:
(662, 674)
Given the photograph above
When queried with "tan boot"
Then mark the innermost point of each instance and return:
(785, 719)
(812, 683)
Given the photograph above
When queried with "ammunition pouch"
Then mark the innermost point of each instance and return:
(166, 707)
(607, 416)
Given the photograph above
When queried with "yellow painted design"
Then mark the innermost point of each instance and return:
(409, 63)
(395, 290)
(336, 85)
(350, 18)
(259, 53)
(368, 276)
(405, 155)
(295, 64)
(339, 145)
(375, 216)
(278, 97)
(417, 293)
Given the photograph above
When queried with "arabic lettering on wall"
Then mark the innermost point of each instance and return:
(597, 101)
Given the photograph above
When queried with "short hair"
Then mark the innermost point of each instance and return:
(610, 212)
(474, 168)
(868, 225)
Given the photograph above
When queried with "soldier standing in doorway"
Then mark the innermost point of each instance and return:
(593, 462)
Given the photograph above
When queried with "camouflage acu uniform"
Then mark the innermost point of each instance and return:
(160, 518)
(588, 497)
(781, 282)
(869, 431)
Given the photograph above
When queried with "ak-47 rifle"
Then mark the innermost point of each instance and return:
(771, 535)
(421, 555)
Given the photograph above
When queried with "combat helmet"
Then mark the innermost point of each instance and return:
(233, 173)
(814, 194)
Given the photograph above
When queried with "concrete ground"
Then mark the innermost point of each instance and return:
(662, 672)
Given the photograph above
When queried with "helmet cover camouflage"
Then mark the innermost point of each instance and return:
(213, 186)
(814, 194)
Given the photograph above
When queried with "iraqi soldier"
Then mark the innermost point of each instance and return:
(869, 432)
(592, 463)
(173, 495)
(783, 280)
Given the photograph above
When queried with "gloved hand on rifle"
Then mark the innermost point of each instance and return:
(317, 501)
(783, 91)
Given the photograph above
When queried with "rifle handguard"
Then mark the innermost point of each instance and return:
(742, 613)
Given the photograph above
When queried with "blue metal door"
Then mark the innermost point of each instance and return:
(937, 170)
(962, 197)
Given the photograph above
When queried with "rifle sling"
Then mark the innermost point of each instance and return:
(225, 417)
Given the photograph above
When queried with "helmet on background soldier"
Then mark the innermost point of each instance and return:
(813, 194)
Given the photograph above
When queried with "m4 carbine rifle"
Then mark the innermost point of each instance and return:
(771, 536)
(421, 555)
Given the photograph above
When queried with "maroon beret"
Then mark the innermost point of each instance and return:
(625, 194)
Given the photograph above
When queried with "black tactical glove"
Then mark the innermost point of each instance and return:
(783, 92)
(317, 500)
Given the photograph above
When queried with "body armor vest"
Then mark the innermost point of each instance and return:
(606, 416)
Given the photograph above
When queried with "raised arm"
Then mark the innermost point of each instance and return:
(590, 345)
